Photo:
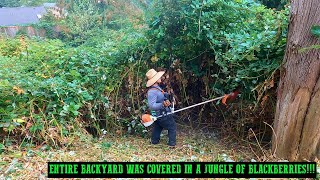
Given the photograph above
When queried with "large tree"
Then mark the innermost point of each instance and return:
(297, 119)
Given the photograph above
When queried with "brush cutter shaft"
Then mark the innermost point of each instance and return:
(148, 119)
(192, 106)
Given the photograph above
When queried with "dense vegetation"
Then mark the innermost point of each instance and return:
(91, 73)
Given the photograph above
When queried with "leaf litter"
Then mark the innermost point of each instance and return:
(32, 163)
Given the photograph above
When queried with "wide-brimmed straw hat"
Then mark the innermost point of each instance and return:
(153, 76)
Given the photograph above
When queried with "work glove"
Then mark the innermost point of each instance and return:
(166, 103)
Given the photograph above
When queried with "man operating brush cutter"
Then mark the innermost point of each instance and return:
(159, 104)
(161, 114)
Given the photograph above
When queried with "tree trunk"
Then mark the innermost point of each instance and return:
(297, 119)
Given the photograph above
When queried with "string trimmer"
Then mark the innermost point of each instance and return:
(148, 119)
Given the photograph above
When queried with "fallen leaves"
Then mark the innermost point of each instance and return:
(111, 149)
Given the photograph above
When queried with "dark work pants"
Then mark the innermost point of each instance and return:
(168, 123)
